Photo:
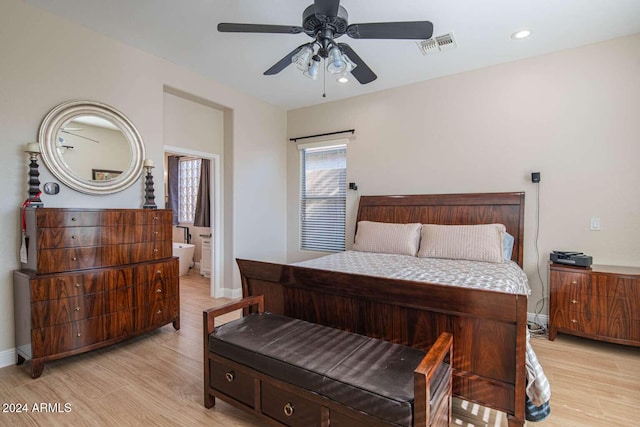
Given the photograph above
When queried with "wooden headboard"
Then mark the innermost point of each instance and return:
(451, 209)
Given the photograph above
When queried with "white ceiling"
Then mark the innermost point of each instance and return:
(184, 32)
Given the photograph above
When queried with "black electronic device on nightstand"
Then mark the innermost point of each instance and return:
(577, 259)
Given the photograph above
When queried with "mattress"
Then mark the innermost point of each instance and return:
(505, 277)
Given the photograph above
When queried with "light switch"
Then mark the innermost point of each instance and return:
(595, 224)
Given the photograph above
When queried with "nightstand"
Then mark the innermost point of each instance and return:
(601, 302)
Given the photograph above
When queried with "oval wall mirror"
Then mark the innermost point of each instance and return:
(91, 147)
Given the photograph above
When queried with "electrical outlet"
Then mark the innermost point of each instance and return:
(595, 224)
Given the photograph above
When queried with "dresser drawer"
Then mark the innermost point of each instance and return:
(137, 216)
(69, 237)
(623, 328)
(67, 337)
(574, 297)
(235, 383)
(152, 272)
(120, 299)
(159, 216)
(289, 408)
(59, 260)
(157, 314)
(120, 324)
(65, 310)
(581, 322)
(136, 252)
(55, 218)
(72, 237)
(157, 291)
(118, 277)
(65, 285)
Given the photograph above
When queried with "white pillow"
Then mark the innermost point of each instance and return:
(383, 237)
(481, 242)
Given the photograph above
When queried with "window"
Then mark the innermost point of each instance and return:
(188, 181)
(323, 176)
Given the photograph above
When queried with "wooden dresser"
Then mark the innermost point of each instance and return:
(602, 303)
(93, 277)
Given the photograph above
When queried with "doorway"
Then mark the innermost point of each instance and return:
(215, 202)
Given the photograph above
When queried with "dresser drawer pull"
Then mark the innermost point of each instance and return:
(77, 285)
(158, 291)
(574, 282)
(574, 321)
(159, 312)
(155, 250)
(158, 271)
(230, 376)
(78, 334)
(155, 218)
(156, 232)
(73, 237)
(76, 309)
(74, 219)
(288, 409)
(574, 301)
(74, 259)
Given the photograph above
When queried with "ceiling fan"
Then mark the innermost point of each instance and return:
(324, 21)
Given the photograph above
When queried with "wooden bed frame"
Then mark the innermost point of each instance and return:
(489, 328)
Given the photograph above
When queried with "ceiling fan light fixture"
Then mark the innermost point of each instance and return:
(302, 59)
(336, 63)
(314, 67)
(344, 76)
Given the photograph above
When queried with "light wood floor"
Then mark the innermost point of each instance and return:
(156, 380)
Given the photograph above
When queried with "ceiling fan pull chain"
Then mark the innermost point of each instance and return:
(324, 81)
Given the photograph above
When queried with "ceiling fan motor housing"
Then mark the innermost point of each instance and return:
(313, 24)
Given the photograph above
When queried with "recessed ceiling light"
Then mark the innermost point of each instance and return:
(522, 34)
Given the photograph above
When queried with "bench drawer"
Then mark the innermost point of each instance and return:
(289, 408)
(232, 382)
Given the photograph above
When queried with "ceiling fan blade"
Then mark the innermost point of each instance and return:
(420, 30)
(225, 27)
(79, 136)
(283, 63)
(362, 72)
(326, 8)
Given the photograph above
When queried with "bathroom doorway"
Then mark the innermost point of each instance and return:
(197, 235)
(193, 132)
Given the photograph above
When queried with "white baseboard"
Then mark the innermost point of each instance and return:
(7, 357)
(231, 293)
(539, 318)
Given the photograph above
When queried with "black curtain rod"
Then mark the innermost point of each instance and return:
(352, 131)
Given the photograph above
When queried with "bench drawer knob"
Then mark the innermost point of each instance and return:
(288, 409)
(230, 376)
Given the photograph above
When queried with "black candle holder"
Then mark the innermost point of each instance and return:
(34, 180)
(149, 198)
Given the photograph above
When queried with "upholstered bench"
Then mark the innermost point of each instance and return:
(292, 372)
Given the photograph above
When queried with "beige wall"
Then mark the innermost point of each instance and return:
(47, 60)
(572, 115)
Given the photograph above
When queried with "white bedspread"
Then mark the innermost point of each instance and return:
(505, 277)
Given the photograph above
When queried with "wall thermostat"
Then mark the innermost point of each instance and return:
(51, 188)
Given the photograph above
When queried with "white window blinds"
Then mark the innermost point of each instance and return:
(189, 179)
(323, 177)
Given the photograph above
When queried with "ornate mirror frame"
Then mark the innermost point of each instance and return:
(52, 155)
